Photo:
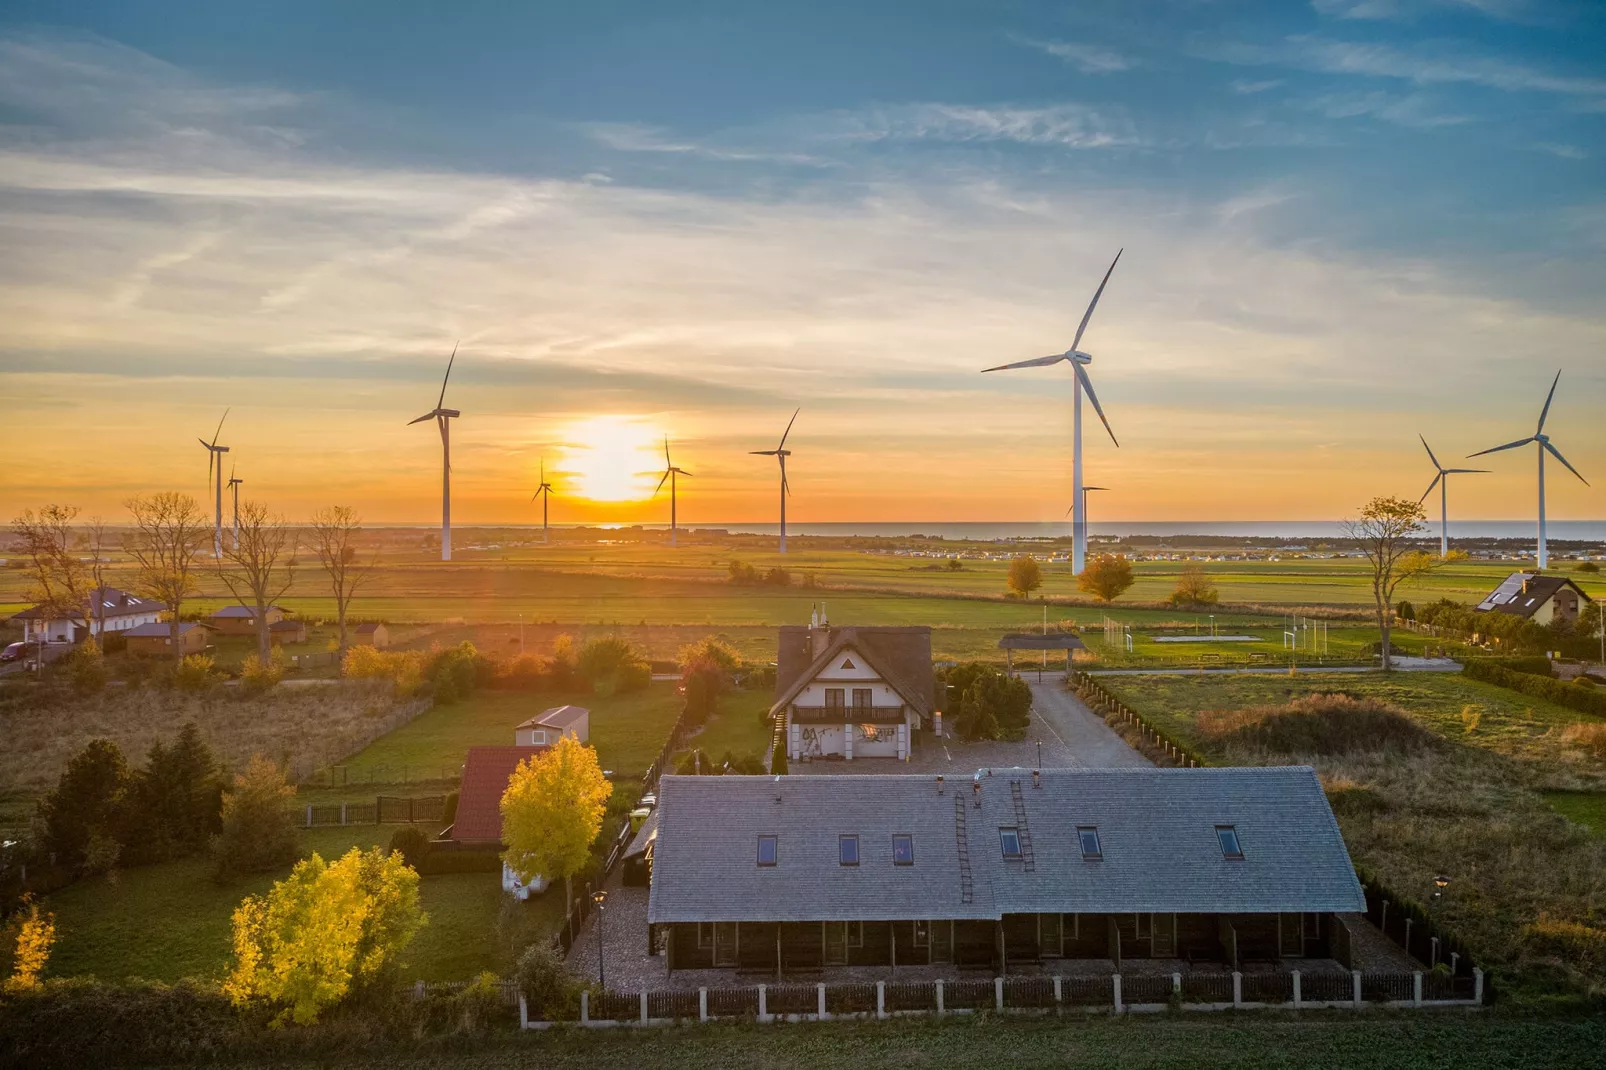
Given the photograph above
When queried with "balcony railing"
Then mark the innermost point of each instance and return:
(847, 714)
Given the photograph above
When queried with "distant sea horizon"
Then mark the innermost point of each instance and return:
(994, 531)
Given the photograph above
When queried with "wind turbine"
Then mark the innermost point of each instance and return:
(781, 453)
(214, 460)
(1442, 481)
(1078, 360)
(1085, 492)
(443, 416)
(670, 472)
(234, 489)
(1543, 441)
(544, 489)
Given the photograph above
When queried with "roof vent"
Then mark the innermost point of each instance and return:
(975, 792)
(939, 783)
(1037, 778)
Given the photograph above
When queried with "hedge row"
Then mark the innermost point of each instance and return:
(1532, 665)
(1582, 699)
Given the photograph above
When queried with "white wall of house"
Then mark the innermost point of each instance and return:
(850, 739)
(61, 630)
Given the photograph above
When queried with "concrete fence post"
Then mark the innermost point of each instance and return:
(1433, 952)
(309, 815)
(1416, 989)
(1237, 989)
(1059, 996)
(524, 1013)
(1477, 985)
(1355, 976)
(1455, 958)
(702, 1004)
(998, 993)
(643, 1006)
(342, 813)
(819, 997)
(880, 999)
(940, 1011)
(1297, 999)
(763, 1001)
(1176, 986)
(585, 1006)
(1115, 985)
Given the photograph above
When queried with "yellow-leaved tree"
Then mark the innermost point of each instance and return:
(324, 930)
(552, 811)
(36, 934)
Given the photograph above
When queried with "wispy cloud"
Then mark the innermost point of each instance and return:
(635, 137)
(1411, 10)
(1442, 65)
(1412, 110)
(1244, 87)
(1562, 150)
(1074, 126)
(1089, 59)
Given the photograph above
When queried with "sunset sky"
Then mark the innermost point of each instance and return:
(1345, 223)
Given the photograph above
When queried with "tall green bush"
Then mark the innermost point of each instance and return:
(86, 802)
(1582, 699)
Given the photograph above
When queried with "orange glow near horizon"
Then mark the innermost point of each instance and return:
(609, 459)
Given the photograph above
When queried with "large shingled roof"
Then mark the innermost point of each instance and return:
(1156, 828)
(1522, 593)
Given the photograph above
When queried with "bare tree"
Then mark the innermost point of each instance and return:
(62, 582)
(334, 534)
(98, 542)
(168, 533)
(260, 567)
(1385, 530)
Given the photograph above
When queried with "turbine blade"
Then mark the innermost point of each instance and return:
(1432, 458)
(1094, 303)
(1554, 452)
(1035, 362)
(1546, 410)
(683, 472)
(1068, 511)
(789, 424)
(449, 363)
(661, 483)
(1463, 471)
(420, 420)
(1087, 384)
(1507, 446)
(1436, 477)
(763, 453)
(219, 430)
(667, 462)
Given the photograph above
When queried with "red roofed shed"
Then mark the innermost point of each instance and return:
(486, 772)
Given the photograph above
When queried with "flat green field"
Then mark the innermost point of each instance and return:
(1253, 1039)
(1586, 808)
(1507, 722)
(170, 921)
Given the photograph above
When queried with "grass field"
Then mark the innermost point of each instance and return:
(739, 727)
(1585, 808)
(628, 731)
(170, 921)
(1465, 803)
(1254, 1039)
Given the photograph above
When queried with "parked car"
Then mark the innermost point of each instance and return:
(20, 651)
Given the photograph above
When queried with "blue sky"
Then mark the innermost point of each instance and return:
(1346, 222)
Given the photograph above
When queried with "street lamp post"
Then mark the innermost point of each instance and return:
(1039, 754)
(600, 897)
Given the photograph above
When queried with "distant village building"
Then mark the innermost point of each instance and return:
(1539, 598)
(289, 630)
(117, 610)
(799, 873)
(371, 633)
(853, 692)
(547, 727)
(156, 640)
(242, 620)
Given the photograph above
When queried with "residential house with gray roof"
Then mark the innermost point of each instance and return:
(805, 872)
(854, 692)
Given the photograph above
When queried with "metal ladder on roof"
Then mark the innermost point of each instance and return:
(1028, 861)
(967, 891)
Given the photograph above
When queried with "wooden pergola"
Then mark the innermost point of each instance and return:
(1025, 641)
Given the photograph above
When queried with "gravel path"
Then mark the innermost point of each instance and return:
(1087, 740)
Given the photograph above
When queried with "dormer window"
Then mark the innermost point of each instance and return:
(1088, 837)
(1227, 835)
(903, 849)
(1009, 841)
(847, 850)
(768, 850)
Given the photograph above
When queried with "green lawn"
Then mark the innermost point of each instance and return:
(739, 727)
(1507, 722)
(170, 921)
(1406, 1040)
(1586, 808)
(627, 730)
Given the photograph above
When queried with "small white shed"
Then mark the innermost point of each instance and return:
(546, 728)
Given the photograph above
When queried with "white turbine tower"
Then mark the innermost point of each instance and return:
(544, 492)
(1077, 359)
(234, 489)
(670, 472)
(1442, 481)
(781, 453)
(214, 464)
(442, 417)
(1085, 492)
(1543, 441)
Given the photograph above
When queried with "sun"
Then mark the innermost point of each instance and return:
(610, 458)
